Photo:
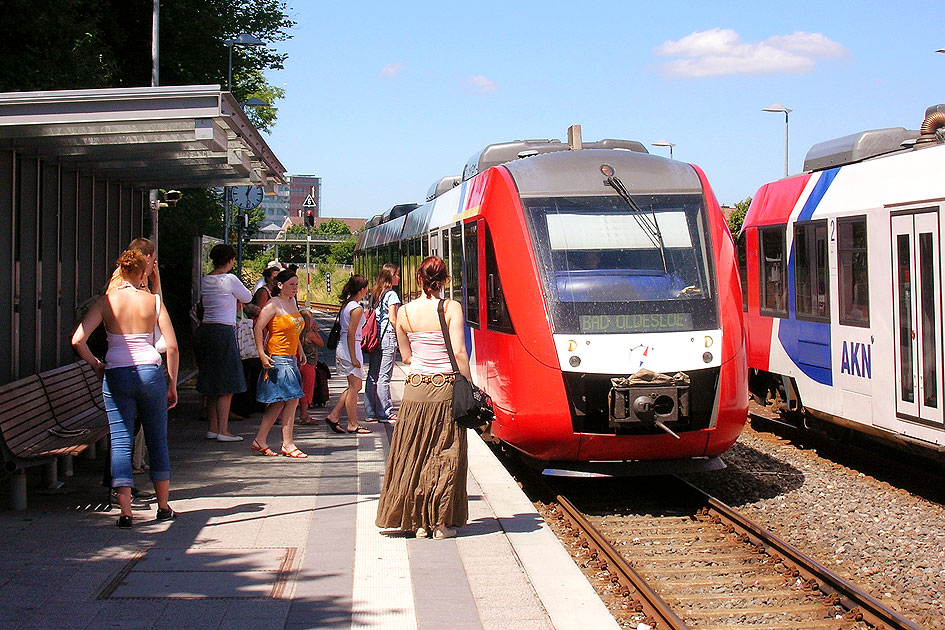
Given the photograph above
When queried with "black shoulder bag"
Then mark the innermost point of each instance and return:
(472, 407)
(334, 334)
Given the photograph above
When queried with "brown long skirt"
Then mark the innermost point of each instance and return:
(425, 479)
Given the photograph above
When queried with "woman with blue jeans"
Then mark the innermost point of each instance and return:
(133, 378)
(377, 402)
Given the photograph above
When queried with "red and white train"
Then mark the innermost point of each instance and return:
(577, 264)
(842, 274)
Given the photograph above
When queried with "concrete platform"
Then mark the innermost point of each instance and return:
(281, 543)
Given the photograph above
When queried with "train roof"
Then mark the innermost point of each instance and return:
(443, 184)
(578, 173)
(858, 147)
(504, 152)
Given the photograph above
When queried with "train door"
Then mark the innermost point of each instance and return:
(917, 316)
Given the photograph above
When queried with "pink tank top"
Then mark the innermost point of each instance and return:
(429, 353)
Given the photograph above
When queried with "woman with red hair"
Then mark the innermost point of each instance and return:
(425, 481)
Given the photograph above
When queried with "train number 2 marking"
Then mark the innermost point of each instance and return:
(857, 359)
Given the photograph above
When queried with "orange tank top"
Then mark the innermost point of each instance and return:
(284, 334)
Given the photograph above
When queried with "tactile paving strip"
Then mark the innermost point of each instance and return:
(214, 573)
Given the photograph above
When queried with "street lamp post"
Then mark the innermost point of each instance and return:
(778, 108)
(243, 39)
(665, 143)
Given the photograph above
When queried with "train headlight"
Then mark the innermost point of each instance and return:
(708, 341)
(575, 361)
(707, 357)
(572, 345)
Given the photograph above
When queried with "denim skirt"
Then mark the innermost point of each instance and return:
(282, 382)
(218, 359)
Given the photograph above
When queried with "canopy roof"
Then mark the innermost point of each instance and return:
(191, 136)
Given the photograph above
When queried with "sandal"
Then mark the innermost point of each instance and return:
(263, 450)
(360, 430)
(334, 426)
(294, 453)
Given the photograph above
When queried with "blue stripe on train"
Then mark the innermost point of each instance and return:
(808, 343)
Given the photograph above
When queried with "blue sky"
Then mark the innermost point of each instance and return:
(384, 98)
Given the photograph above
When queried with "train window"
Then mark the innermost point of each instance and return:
(741, 250)
(854, 273)
(456, 263)
(811, 287)
(496, 309)
(471, 268)
(773, 287)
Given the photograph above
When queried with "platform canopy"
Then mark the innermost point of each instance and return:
(191, 136)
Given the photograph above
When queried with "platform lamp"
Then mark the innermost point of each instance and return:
(778, 108)
(665, 143)
(243, 39)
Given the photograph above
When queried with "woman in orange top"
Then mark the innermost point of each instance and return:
(280, 384)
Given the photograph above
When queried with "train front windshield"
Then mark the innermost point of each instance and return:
(607, 268)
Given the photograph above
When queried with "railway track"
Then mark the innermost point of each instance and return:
(670, 556)
(322, 306)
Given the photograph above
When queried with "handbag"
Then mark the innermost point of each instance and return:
(246, 337)
(334, 334)
(472, 407)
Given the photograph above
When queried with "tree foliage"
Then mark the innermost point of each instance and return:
(333, 226)
(737, 216)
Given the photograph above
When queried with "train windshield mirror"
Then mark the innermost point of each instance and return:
(600, 264)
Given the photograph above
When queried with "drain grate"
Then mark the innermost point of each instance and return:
(243, 573)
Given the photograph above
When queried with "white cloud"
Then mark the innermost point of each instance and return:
(392, 69)
(482, 84)
(719, 52)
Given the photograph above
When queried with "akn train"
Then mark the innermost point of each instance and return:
(843, 285)
(577, 264)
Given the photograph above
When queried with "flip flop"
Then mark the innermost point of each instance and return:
(263, 450)
(334, 426)
(294, 453)
(360, 430)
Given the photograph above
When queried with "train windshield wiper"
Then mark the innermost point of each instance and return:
(646, 221)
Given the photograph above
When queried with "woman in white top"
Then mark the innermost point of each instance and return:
(218, 354)
(134, 378)
(348, 359)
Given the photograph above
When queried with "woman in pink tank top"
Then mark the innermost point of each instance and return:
(425, 480)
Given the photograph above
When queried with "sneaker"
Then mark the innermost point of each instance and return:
(166, 515)
(221, 437)
(211, 435)
(442, 531)
(422, 533)
(387, 420)
(124, 522)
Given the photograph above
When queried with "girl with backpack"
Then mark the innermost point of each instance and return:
(384, 299)
(348, 357)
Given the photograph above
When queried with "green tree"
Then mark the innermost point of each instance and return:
(343, 253)
(737, 216)
(333, 226)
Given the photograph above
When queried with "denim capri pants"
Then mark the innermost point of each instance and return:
(137, 390)
(281, 383)
(218, 359)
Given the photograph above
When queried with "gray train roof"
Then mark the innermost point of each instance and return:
(577, 173)
(503, 152)
(856, 147)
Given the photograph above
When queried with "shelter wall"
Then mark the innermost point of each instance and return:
(61, 230)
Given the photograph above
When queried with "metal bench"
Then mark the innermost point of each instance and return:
(59, 413)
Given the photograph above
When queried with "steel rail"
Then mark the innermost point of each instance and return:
(653, 604)
(861, 604)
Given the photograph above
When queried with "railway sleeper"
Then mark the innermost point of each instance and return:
(799, 613)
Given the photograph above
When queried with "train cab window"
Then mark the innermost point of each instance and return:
(456, 263)
(854, 274)
(741, 250)
(773, 287)
(496, 310)
(811, 286)
(471, 267)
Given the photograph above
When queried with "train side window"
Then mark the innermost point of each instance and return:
(456, 263)
(471, 268)
(811, 286)
(497, 311)
(852, 259)
(741, 251)
(772, 254)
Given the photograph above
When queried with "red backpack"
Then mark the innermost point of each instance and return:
(370, 337)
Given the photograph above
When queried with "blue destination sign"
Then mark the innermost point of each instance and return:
(635, 323)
